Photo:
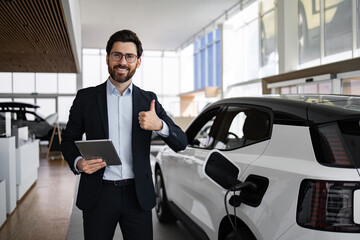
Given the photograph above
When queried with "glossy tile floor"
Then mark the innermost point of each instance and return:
(44, 212)
(174, 231)
(47, 211)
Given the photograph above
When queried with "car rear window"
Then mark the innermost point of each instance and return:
(337, 144)
(350, 131)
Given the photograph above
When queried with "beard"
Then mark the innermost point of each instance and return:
(121, 78)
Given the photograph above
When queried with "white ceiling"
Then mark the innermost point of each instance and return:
(160, 24)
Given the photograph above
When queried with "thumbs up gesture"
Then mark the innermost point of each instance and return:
(149, 120)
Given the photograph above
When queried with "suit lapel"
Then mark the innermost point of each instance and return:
(102, 105)
(138, 106)
(136, 109)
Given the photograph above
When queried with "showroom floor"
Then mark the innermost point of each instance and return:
(161, 232)
(47, 211)
(44, 211)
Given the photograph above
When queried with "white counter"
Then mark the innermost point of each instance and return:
(27, 164)
(2, 202)
(8, 171)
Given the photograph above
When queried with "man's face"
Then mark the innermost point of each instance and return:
(120, 70)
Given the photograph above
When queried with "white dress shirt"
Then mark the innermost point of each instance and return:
(119, 110)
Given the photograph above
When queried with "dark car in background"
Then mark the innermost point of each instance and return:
(24, 114)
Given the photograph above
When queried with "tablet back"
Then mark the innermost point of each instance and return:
(101, 148)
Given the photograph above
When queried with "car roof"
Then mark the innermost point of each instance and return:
(301, 109)
(7, 105)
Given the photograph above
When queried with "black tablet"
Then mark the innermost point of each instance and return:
(100, 148)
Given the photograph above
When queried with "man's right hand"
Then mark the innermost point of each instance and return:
(90, 166)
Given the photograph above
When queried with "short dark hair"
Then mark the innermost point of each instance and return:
(124, 36)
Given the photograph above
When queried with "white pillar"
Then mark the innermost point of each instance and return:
(288, 40)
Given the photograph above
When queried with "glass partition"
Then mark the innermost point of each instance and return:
(351, 86)
(338, 27)
(6, 83)
(309, 30)
(46, 83)
(23, 82)
(358, 23)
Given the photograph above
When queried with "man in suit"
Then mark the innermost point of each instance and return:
(119, 110)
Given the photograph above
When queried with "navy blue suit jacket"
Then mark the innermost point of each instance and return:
(88, 114)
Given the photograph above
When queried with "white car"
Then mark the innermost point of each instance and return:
(266, 168)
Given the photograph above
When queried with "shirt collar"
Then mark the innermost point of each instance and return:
(112, 89)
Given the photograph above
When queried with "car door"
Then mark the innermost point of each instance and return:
(178, 168)
(241, 133)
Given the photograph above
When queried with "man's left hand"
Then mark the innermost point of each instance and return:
(149, 120)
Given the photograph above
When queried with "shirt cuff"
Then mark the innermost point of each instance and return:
(76, 160)
(164, 132)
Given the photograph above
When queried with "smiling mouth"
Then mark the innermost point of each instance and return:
(121, 70)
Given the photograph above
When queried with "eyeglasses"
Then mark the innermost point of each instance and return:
(130, 58)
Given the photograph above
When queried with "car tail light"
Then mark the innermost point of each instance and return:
(327, 206)
(330, 147)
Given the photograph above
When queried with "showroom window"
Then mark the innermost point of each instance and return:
(32, 87)
(358, 25)
(309, 31)
(47, 106)
(244, 50)
(289, 90)
(159, 72)
(64, 104)
(94, 67)
(46, 83)
(23, 82)
(269, 55)
(320, 84)
(66, 83)
(351, 86)
(350, 83)
(6, 82)
(250, 88)
(207, 61)
(38, 83)
(241, 53)
(324, 87)
(326, 31)
(186, 69)
(338, 28)
(316, 88)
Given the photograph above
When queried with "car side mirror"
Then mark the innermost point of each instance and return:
(221, 170)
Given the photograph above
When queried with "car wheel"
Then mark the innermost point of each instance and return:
(163, 212)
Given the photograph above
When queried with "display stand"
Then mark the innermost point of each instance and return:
(54, 145)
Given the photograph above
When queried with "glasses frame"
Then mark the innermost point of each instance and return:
(117, 56)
